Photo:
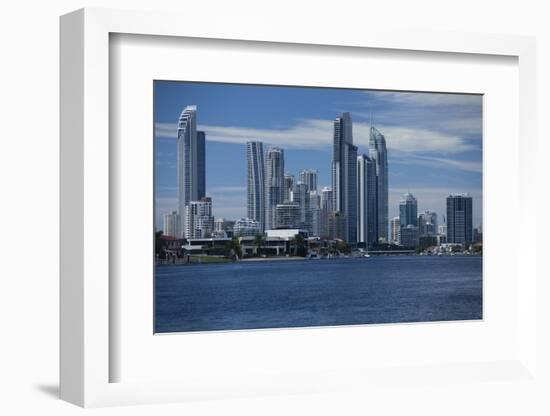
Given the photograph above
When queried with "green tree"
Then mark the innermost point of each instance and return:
(159, 245)
(343, 247)
(259, 241)
(301, 249)
(233, 249)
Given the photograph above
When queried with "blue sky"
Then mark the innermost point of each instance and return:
(434, 140)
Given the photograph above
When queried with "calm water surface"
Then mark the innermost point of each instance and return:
(275, 294)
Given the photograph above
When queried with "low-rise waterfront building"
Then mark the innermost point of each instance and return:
(277, 242)
(246, 227)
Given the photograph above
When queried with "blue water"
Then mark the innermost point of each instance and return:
(278, 294)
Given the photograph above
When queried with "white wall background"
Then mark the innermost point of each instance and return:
(29, 204)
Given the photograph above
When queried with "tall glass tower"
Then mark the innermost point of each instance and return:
(274, 184)
(255, 185)
(201, 161)
(408, 211)
(459, 219)
(379, 153)
(190, 164)
(309, 177)
(344, 175)
(408, 221)
(366, 201)
(289, 185)
(300, 196)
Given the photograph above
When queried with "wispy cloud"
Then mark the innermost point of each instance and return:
(435, 162)
(458, 114)
(226, 189)
(317, 134)
(427, 99)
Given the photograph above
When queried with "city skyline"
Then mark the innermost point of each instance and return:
(226, 183)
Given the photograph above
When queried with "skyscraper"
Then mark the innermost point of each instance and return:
(344, 176)
(190, 160)
(459, 219)
(287, 215)
(171, 224)
(199, 219)
(366, 201)
(255, 185)
(408, 221)
(395, 230)
(300, 196)
(427, 223)
(315, 213)
(309, 177)
(408, 211)
(378, 152)
(289, 184)
(201, 163)
(326, 210)
(274, 184)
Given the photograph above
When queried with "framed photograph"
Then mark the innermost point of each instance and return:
(238, 220)
(283, 213)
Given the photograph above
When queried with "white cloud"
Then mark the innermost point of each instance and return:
(226, 189)
(434, 162)
(317, 134)
(428, 99)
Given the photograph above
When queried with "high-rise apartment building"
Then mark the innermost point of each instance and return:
(170, 228)
(201, 163)
(459, 219)
(274, 184)
(315, 213)
(344, 176)
(255, 185)
(427, 223)
(326, 210)
(300, 196)
(408, 210)
(408, 221)
(287, 215)
(366, 201)
(309, 177)
(289, 185)
(378, 152)
(395, 226)
(337, 226)
(190, 164)
(199, 219)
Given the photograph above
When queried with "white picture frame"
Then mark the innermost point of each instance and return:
(85, 350)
